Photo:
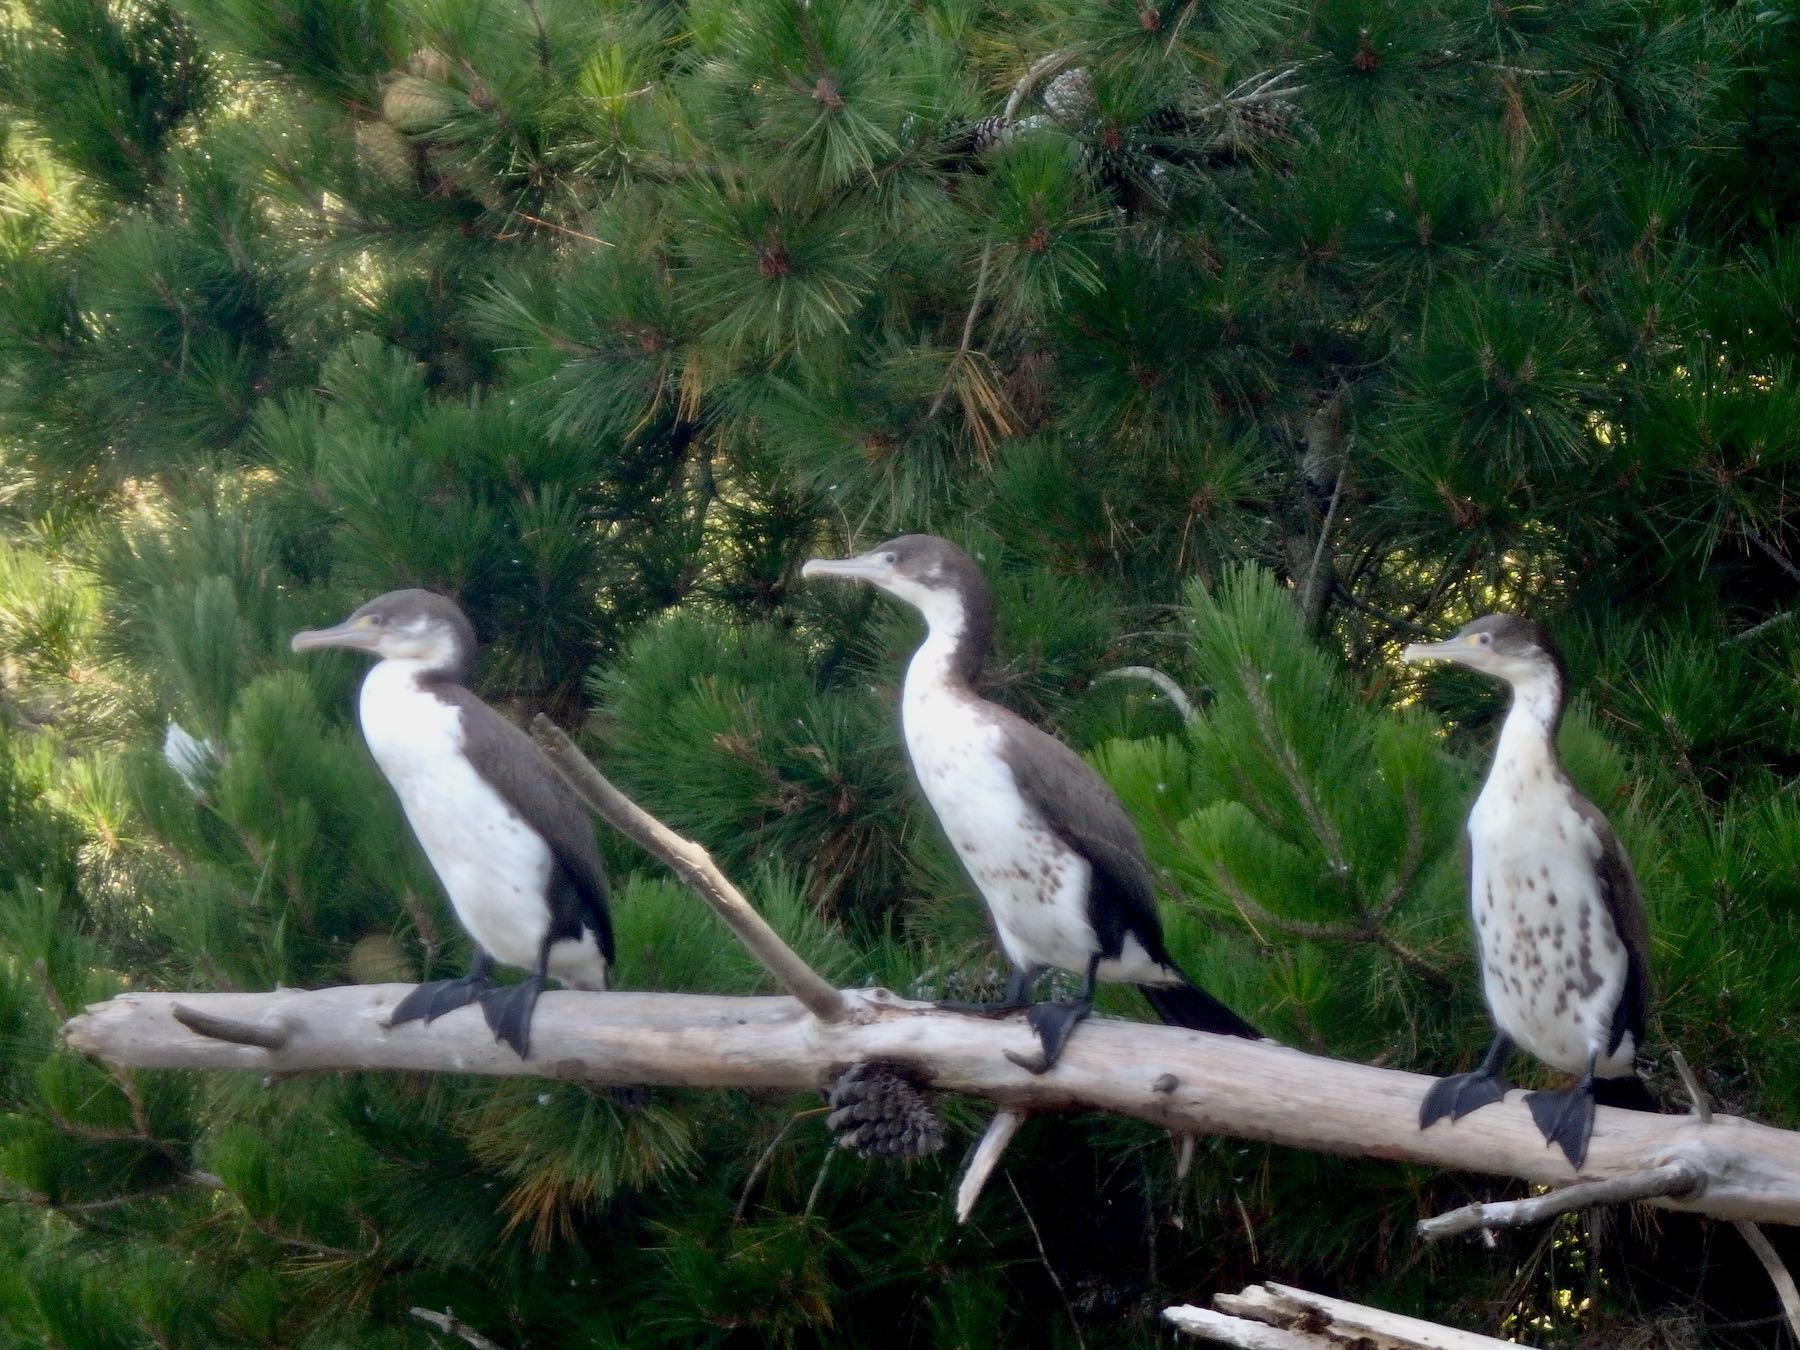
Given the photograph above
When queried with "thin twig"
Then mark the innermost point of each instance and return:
(968, 334)
(1775, 555)
(1676, 1178)
(1758, 629)
(1779, 1274)
(452, 1325)
(1166, 683)
(1049, 1266)
(695, 866)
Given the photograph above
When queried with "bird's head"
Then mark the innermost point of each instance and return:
(932, 575)
(1502, 645)
(403, 626)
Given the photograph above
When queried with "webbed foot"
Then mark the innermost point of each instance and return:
(1460, 1094)
(1054, 1023)
(508, 1012)
(432, 1001)
(1565, 1118)
(970, 1009)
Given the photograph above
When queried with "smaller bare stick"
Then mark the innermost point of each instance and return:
(984, 1159)
(695, 866)
(1163, 681)
(1691, 1081)
(229, 1028)
(1184, 1154)
(1778, 1272)
(1676, 1178)
(452, 1325)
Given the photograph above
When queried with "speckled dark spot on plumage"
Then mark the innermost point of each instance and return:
(1562, 1001)
(1531, 883)
(1550, 899)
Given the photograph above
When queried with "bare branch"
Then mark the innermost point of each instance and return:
(1779, 1274)
(1164, 682)
(452, 1325)
(1180, 1080)
(1280, 1316)
(1671, 1179)
(695, 866)
(984, 1158)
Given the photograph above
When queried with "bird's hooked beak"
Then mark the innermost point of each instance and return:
(358, 634)
(870, 567)
(1465, 650)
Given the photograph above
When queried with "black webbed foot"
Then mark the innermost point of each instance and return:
(1460, 1094)
(970, 1009)
(1054, 1023)
(1566, 1119)
(1016, 997)
(431, 1001)
(508, 1012)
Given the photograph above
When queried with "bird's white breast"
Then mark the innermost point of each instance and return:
(1553, 967)
(492, 865)
(1035, 886)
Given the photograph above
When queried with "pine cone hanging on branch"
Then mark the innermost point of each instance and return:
(880, 1110)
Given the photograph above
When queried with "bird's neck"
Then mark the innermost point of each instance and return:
(1528, 735)
(399, 673)
(956, 642)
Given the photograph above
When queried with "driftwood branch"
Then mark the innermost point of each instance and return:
(452, 1325)
(1184, 1081)
(1671, 1179)
(694, 865)
(1278, 1317)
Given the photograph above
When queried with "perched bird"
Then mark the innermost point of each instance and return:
(1559, 920)
(1045, 840)
(504, 833)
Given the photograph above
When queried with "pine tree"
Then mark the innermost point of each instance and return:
(1238, 341)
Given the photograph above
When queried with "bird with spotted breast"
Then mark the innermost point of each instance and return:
(1045, 840)
(506, 836)
(1560, 931)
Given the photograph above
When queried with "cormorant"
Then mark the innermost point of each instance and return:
(1045, 840)
(504, 833)
(1559, 921)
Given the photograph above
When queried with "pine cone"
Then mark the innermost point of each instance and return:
(879, 1110)
(385, 153)
(1070, 96)
(414, 105)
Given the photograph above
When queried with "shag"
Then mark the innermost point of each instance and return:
(1559, 920)
(1045, 840)
(505, 834)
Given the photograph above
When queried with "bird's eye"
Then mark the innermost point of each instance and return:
(890, 558)
(1485, 639)
(373, 620)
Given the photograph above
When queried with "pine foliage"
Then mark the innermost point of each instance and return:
(1241, 341)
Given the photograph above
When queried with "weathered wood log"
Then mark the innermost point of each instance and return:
(1279, 1317)
(1182, 1080)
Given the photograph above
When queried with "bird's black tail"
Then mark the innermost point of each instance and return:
(1188, 1005)
(1628, 1092)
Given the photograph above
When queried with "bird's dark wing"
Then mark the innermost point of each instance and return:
(1087, 816)
(513, 766)
(1625, 903)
